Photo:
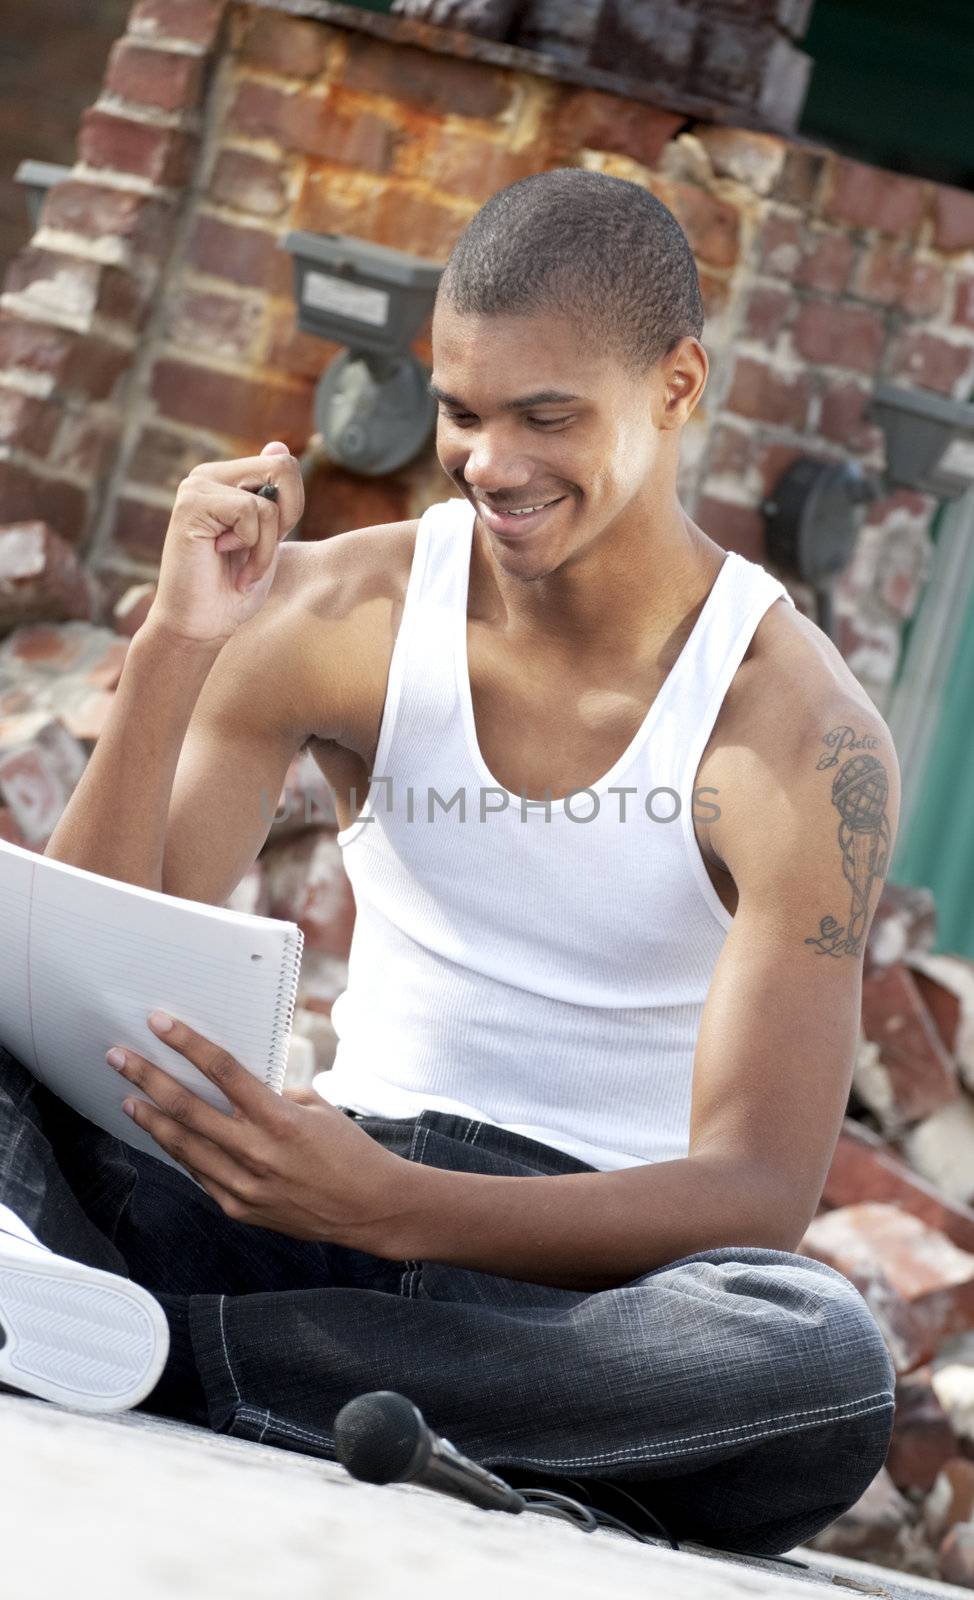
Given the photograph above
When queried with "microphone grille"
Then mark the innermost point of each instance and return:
(376, 1436)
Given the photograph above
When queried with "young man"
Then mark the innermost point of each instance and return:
(627, 817)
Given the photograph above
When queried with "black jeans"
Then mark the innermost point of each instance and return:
(744, 1395)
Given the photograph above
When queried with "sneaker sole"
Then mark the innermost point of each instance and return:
(79, 1336)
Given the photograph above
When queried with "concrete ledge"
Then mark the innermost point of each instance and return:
(130, 1507)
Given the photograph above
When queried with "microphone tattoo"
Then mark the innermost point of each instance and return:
(860, 790)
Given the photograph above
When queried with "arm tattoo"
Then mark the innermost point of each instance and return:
(859, 792)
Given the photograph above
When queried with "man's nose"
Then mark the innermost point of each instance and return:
(491, 467)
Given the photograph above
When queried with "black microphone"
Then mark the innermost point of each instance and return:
(383, 1438)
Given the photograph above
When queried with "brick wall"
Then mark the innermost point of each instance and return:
(150, 322)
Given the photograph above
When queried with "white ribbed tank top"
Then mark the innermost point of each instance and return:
(534, 969)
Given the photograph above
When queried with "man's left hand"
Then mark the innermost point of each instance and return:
(290, 1162)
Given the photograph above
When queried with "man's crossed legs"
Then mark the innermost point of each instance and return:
(744, 1395)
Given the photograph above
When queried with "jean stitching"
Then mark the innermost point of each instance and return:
(605, 1458)
(752, 1430)
(226, 1352)
(267, 1419)
(264, 1427)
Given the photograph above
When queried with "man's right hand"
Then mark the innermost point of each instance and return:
(222, 543)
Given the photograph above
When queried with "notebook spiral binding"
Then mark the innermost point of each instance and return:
(284, 1002)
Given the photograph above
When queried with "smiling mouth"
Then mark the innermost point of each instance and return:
(516, 519)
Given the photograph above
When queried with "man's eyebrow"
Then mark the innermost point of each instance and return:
(544, 397)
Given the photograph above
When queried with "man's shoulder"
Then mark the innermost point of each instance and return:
(791, 678)
(328, 578)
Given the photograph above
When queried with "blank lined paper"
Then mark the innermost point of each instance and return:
(84, 959)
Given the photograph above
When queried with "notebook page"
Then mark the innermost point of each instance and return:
(15, 880)
(103, 954)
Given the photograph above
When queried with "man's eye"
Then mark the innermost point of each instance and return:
(548, 422)
(463, 419)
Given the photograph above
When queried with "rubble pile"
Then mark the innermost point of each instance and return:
(897, 1211)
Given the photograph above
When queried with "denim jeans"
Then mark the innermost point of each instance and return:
(743, 1395)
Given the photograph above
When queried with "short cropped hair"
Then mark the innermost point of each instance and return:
(599, 250)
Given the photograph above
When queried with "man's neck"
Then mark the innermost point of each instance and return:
(619, 595)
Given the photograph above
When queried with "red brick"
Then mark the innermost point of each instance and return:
(923, 1440)
(132, 607)
(161, 155)
(919, 1286)
(780, 246)
(77, 362)
(767, 312)
(246, 408)
(40, 764)
(192, 21)
(715, 293)
(758, 391)
(223, 325)
(867, 197)
(839, 335)
(9, 829)
(731, 452)
(945, 1007)
(588, 120)
(306, 881)
(28, 422)
(734, 527)
(40, 576)
(953, 219)
(339, 500)
(288, 350)
(753, 159)
(249, 183)
(98, 212)
(932, 363)
(53, 280)
(891, 275)
(165, 79)
(288, 45)
(87, 443)
(464, 163)
(26, 497)
(845, 417)
(244, 255)
(139, 528)
(162, 459)
(388, 215)
(827, 262)
(316, 124)
(864, 1167)
(953, 1499)
(964, 303)
(922, 1076)
(711, 225)
(434, 82)
(798, 181)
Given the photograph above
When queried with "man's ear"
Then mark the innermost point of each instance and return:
(683, 375)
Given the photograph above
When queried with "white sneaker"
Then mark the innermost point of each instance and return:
(71, 1333)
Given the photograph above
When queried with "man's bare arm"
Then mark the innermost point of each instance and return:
(808, 845)
(219, 565)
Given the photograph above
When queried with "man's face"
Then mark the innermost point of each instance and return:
(550, 437)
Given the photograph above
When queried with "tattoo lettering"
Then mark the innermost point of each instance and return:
(860, 790)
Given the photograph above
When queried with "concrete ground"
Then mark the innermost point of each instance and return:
(130, 1507)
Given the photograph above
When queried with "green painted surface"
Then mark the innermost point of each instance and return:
(937, 850)
(892, 84)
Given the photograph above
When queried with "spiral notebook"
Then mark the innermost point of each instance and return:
(84, 959)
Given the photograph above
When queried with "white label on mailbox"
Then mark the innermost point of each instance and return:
(325, 292)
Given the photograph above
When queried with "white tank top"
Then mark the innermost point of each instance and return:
(542, 968)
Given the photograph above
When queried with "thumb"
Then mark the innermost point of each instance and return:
(275, 448)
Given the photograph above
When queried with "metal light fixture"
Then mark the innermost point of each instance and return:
(37, 177)
(372, 407)
(815, 510)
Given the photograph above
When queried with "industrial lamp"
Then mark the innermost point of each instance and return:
(372, 406)
(37, 177)
(815, 510)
